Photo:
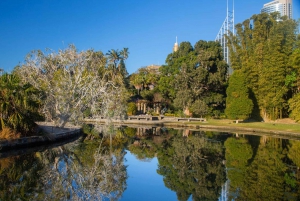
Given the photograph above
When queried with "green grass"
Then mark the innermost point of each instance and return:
(255, 125)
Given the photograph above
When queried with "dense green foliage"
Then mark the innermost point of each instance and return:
(261, 50)
(294, 81)
(195, 78)
(238, 103)
(19, 104)
(131, 108)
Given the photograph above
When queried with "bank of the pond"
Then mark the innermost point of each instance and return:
(222, 125)
(54, 134)
(51, 135)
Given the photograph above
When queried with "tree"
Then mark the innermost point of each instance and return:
(194, 76)
(294, 81)
(19, 104)
(261, 49)
(132, 109)
(144, 78)
(116, 63)
(200, 108)
(238, 103)
(73, 81)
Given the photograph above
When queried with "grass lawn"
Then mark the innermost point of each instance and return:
(289, 127)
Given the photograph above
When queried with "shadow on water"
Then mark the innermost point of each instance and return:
(37, 148)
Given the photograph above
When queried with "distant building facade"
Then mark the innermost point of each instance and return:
(153, 68)
(284, 7)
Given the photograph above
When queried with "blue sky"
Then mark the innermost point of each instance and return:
(147, 28)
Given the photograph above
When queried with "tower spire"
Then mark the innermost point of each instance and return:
(175, 48)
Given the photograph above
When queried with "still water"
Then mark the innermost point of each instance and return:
(155, 164)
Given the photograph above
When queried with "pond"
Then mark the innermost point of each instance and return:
(138, 163)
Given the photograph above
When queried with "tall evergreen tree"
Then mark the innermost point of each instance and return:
(294, 81)
(238, 103)
(261, 49)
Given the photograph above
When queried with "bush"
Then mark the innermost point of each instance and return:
(131, 108)
(169, 114)
(9, 134)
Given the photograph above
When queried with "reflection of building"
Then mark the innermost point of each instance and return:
(224, 192)
(282, 6)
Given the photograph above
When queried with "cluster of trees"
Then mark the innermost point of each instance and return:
(193, 79)
(63, 86)
(264, 55)
(265, 84)
(69, 85)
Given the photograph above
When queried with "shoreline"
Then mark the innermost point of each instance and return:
(54, 135)
(205, 125)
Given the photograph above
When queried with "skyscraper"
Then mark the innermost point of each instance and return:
(284, 7)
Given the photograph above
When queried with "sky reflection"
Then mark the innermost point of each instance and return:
(143, 182)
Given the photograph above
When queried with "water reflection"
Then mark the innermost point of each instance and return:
(71, 172)
(262, 168)
(194, 164)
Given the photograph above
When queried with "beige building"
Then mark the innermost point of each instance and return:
(285, 7)
(175, 48)
(153, 68)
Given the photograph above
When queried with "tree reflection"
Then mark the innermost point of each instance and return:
(92, 175)
(83, 171)
(148, 142)
(238, 153)
(293, 177)
(259, 176)
(18, 177)
(192, 166)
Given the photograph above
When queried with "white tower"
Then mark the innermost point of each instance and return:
(175, 48)
(226, 28)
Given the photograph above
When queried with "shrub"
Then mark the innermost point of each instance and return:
(9, 134)
(131, 108)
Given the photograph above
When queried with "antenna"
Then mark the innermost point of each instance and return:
(226, 28)
(233, 17)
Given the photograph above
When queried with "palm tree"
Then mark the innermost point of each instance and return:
(114, 57)
(124, 53)
(137, 81)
